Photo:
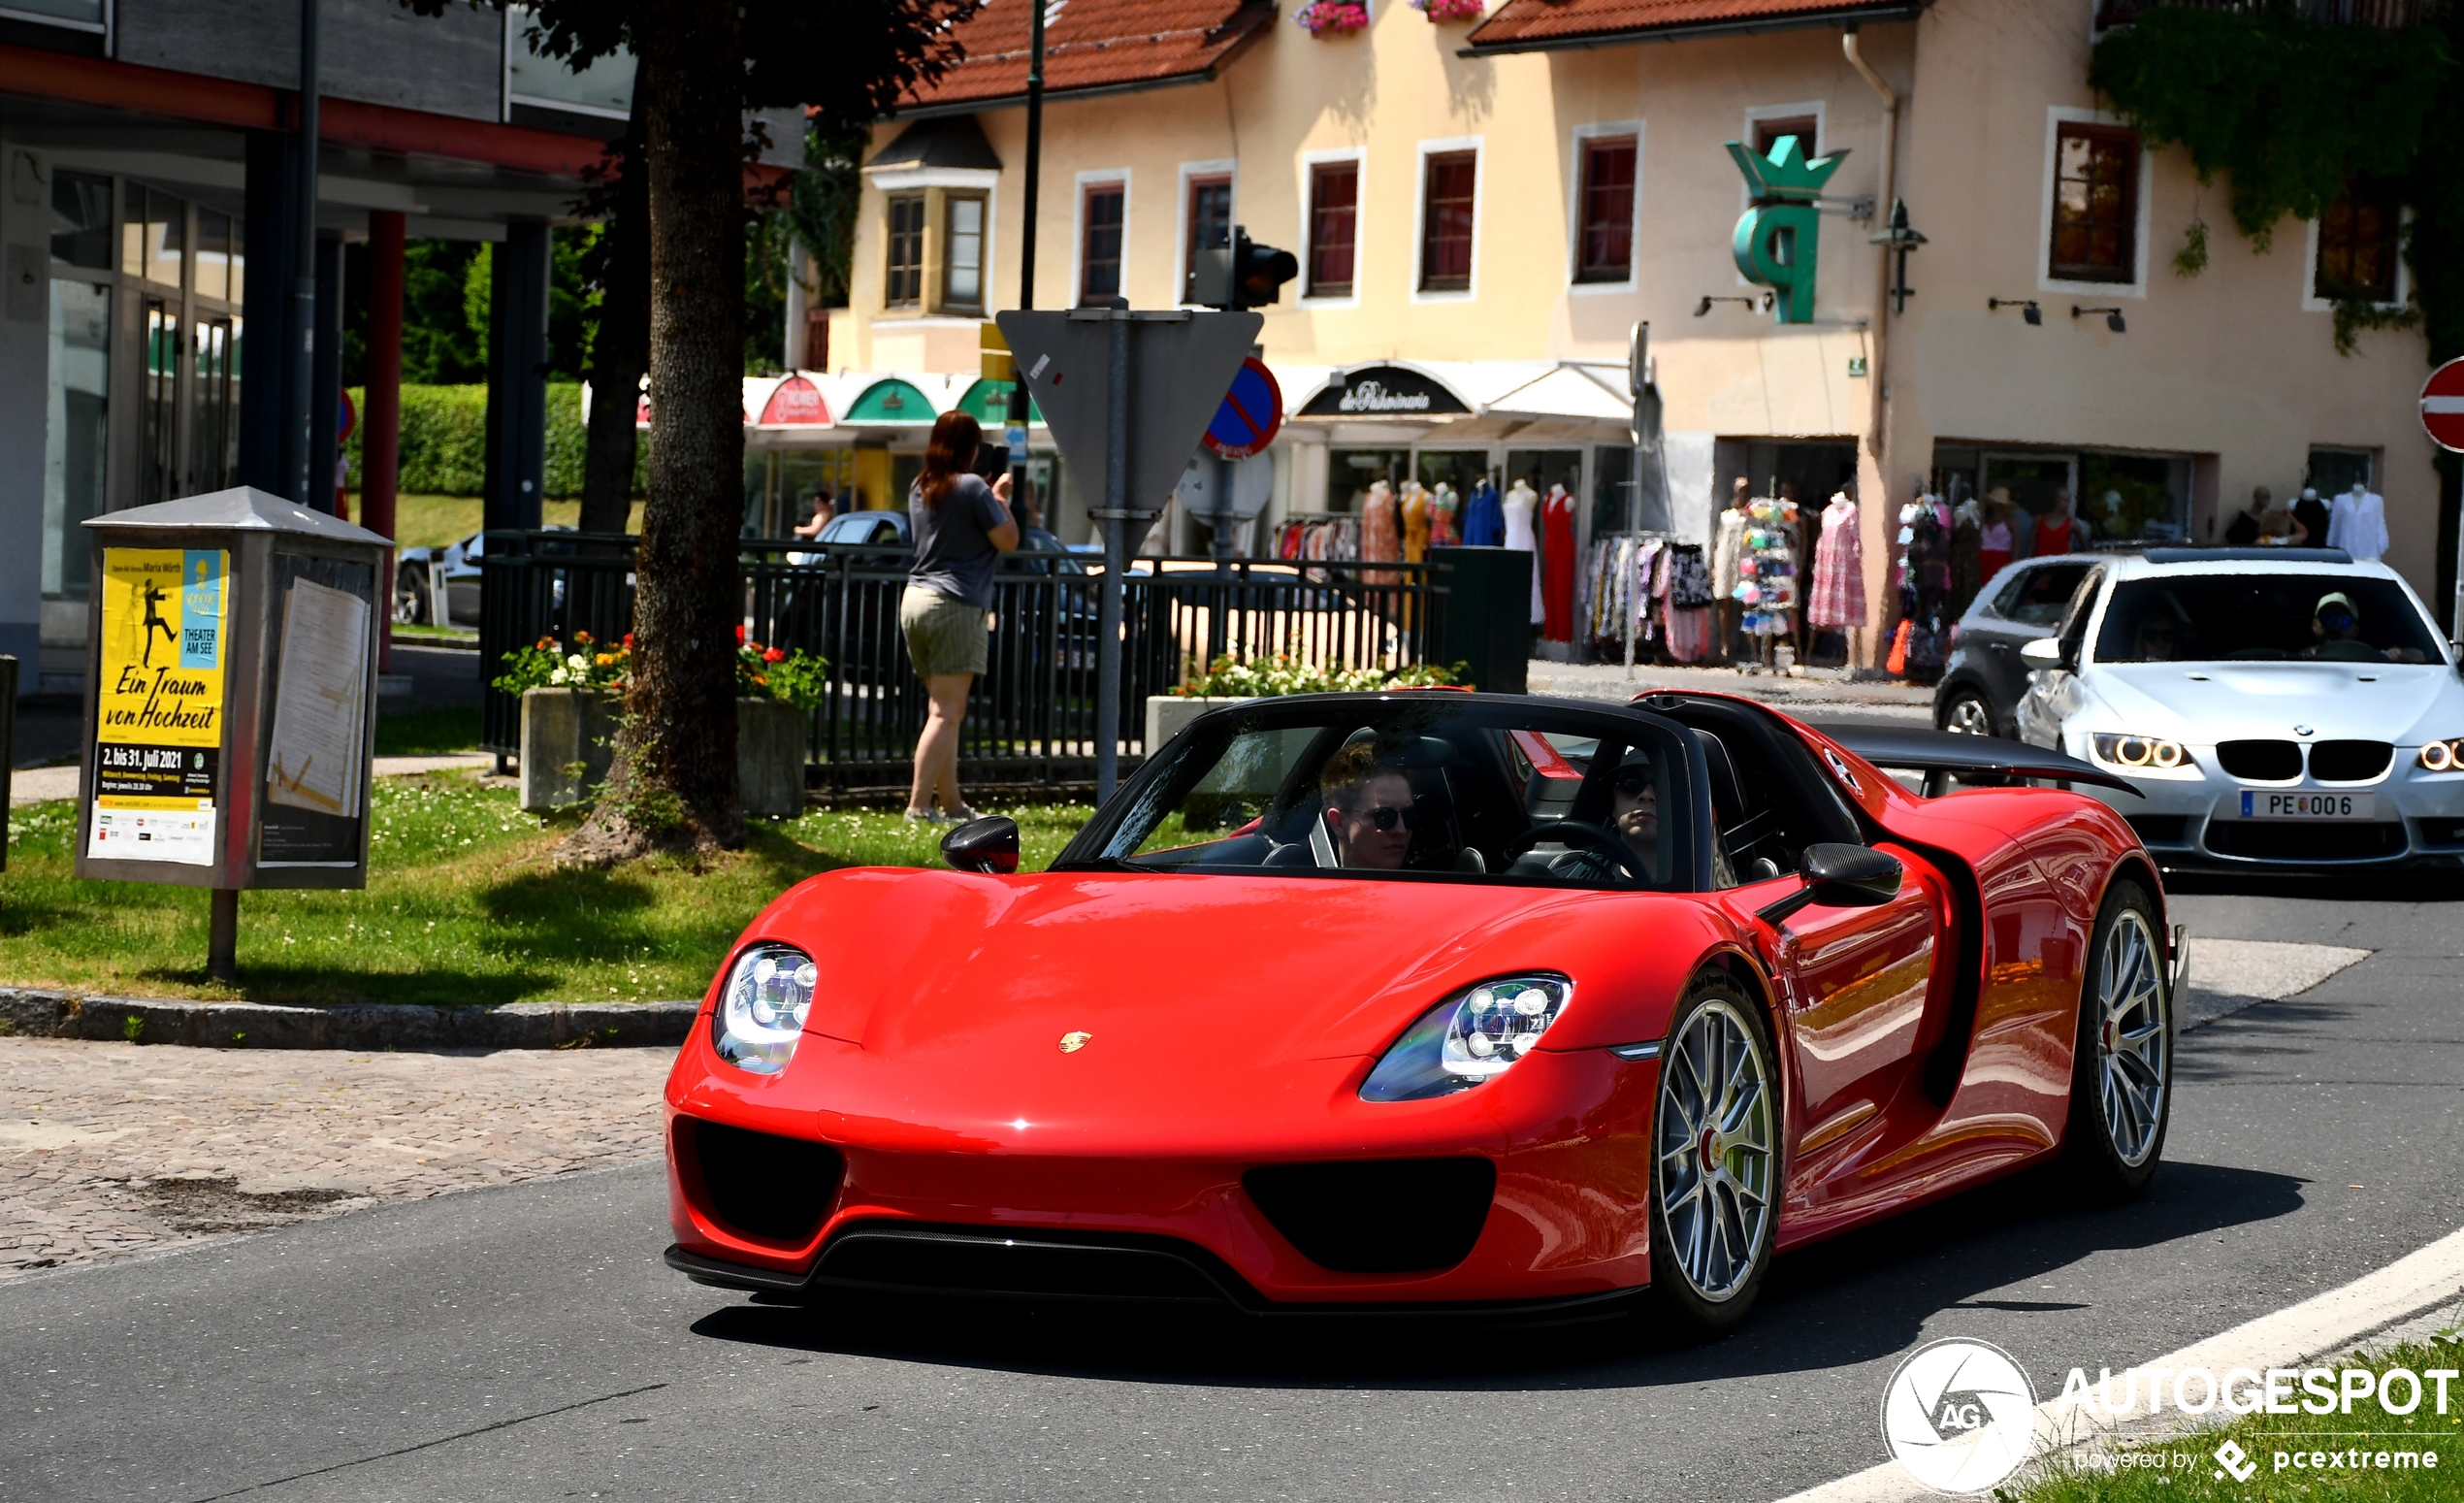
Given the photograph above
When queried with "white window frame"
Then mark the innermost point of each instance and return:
(1605, 129)
(973, 180)
(1442, 145)
(1755, 114)
(2056, 118)
(1096, 178)
(2312, 303)
(1219, 167)
(1311, 161)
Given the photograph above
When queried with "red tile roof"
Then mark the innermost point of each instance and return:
(1534, 25)
(1094, 45)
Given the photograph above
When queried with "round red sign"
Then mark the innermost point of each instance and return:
(2442, 406)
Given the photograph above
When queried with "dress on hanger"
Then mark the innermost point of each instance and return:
(1381, 530)
(1416, 521)
(1839, 568)
(1484, 518)
(2359, 525)
(1993, 548)
(1520, 506)
(2052, 535)
(1727, 545)
(1557, 569)
(1442, 508)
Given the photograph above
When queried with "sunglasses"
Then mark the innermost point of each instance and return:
(1633, 785)
(1388, 816)
(2335, 620)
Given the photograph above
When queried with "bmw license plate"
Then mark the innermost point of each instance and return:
(2261, 804)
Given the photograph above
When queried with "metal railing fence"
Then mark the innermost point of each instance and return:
(1031, 718)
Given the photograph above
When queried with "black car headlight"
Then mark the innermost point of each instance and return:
(761, 1013)
(1474, 1035)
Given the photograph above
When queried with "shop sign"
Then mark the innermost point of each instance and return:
(1382, 391)
(1778, 238)
(158, 716)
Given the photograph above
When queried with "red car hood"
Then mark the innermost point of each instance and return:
(1165, 972)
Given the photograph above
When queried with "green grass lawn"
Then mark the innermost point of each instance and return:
(2192, 1477)
(462, 906)
(428, 732)
(424, 521)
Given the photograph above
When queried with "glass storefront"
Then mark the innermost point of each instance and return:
(1349, 472)
(77, 432)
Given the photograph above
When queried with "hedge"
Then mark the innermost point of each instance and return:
(444, 440)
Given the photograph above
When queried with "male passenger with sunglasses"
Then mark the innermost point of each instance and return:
(1636, 811)
(1369, 809)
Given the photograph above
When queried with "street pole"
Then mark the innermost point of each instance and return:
(1019, 399)
(303, 403)
(1115, 551)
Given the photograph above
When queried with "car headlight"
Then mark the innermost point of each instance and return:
(761, 1012)
(1477, 1034)
(2442, 756)
(2146, 755)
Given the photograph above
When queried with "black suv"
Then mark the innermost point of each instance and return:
(1980, 685)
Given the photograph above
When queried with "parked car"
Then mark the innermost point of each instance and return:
(1982, 682)
(1212, 1056)
(870, 529)
(441, 586)
(2270, 706)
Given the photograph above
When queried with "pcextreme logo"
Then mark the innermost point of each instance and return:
(1959, 1416)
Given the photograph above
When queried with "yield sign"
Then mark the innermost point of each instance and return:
(2442, 406)
(1251, 414)
(1180, 365)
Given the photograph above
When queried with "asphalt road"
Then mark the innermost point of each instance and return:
(525, 1343)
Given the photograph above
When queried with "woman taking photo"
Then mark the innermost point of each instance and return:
(962, 527)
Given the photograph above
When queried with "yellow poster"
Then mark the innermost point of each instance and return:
(158, 720)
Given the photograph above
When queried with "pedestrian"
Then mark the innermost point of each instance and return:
(961, 528)
(2242, 530)
(2278, 527)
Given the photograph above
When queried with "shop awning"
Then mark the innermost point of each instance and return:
(890, 400)
(792, 401)
(989, 403)
(1468, 398)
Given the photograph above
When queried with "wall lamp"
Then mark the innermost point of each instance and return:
(2026, 306)
(2113, 316)
(1764, 303)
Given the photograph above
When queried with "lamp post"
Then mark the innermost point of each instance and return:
(299, 413)
(1019, 402)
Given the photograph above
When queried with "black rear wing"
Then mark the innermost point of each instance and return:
(1940, 755)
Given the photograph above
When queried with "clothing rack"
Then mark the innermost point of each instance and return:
(1637, 535)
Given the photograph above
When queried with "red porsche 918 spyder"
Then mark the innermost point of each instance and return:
(1441, 1001)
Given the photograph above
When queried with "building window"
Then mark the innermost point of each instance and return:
(1446, 221)
(2357, 245)
(1099, 243)
(2095, 203)
(1209, 219)
(962, 253)
(78, 438)
(1607, 236)
(1804, 127)
(903, 285)
(81, 221)
(1334, 217)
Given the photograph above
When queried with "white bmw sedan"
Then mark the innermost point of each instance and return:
(2285, 707)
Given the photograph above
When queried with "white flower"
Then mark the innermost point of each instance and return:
(559, 676)
(578, 664)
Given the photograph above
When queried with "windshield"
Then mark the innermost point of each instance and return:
(2270, 617)
(1431, 786)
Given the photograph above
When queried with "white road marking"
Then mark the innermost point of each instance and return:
(2229, 975)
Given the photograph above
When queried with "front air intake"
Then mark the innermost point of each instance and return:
(2260, 762)
(1379, 1216)
(2349, 762)
(759, 1185)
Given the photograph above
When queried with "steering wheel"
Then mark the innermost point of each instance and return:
(1591, 837)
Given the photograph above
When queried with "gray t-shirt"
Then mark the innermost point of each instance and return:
(953, 556)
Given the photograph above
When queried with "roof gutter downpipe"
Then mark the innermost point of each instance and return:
(1877, 508)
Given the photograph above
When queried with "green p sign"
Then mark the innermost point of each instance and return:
(1778, 239)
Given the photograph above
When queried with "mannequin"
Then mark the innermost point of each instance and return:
(2055, 532)
(2311, 511)
(1522, 503)
(1994, 537)
(1838, 597)
(1727, 542)
(1483, 518)
(1416, 521)
(1557, 534)
(2359, 525)
(1443, 509)
(1380, 529)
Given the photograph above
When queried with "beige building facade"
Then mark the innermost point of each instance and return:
(1519, 196)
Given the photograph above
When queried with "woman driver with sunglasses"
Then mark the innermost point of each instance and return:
(1369, 809)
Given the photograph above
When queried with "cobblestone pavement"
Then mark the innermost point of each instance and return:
(109, 1149)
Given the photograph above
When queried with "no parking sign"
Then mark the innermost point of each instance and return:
(1251, 414)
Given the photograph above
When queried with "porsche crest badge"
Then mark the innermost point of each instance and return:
(1073, 1042)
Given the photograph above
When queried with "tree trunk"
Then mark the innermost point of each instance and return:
(675, 780)
(621, 349)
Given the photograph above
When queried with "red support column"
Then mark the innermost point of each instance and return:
(381, 435)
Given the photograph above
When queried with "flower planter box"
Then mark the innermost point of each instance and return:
(1167, 713)
(568, 738)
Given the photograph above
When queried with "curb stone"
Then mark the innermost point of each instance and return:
(363, 1026)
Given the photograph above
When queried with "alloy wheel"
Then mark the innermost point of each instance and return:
(2132, 1041)
(1968, 716)
(1714, 1140)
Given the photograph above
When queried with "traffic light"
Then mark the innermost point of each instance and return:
(1241, 275)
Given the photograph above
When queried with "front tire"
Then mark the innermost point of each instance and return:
(1965, 712)
(1715, 1169)
(410, 595)
(2121, 1068)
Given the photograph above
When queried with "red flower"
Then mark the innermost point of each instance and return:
(740, 636)
(628, 641)
(547, 644)
(774, 655)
